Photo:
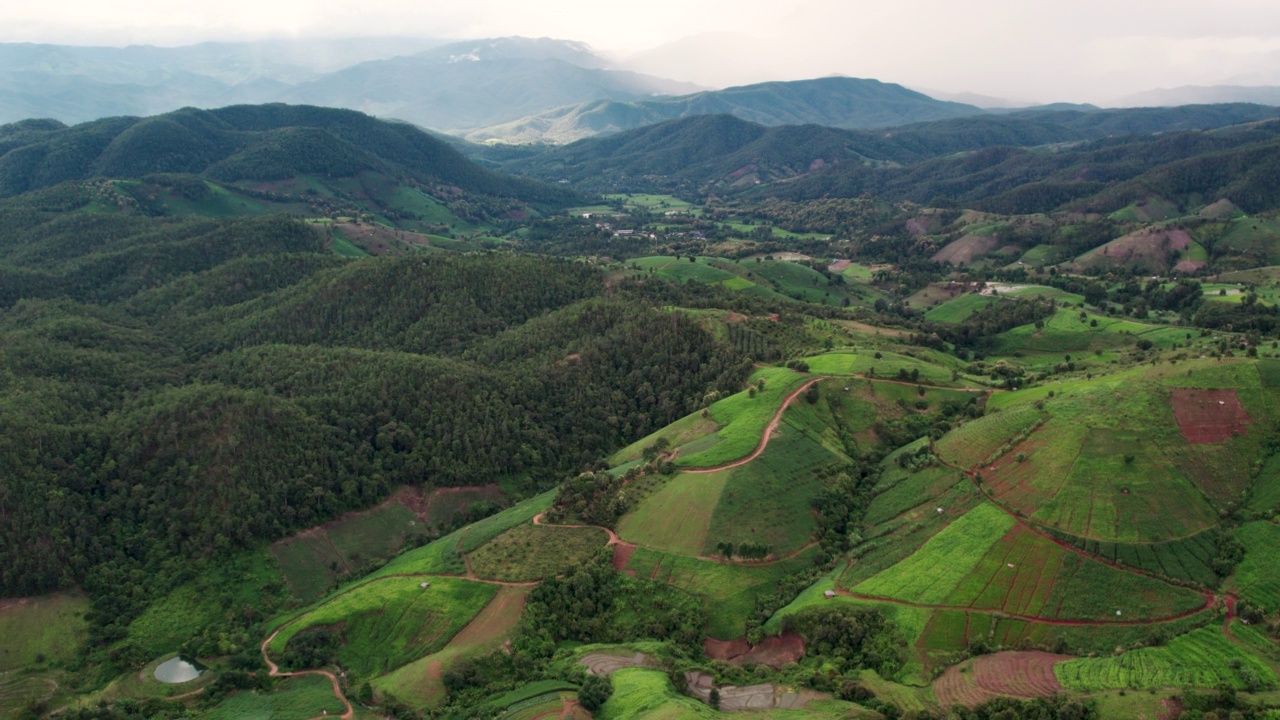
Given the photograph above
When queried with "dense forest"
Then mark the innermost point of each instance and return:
(292, 387)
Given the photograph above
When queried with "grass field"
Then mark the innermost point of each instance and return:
(930, 574)
(226, 586)
(901, 490)
(1257, 577)
(1026, 574)
(533, 552)
(681, 432)
(293, 699)
(837, 363)
(19, 690)
(981, 439)
(1202, 658)
(960, 308)
(1264, 497)
(390, 622)
(419, 683)
(442, 556)
(313, 560)
(41, 630)
(676, 518)
(743, 418)
(769, 500)
(730, 590)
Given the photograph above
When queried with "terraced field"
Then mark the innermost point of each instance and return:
(1202, 658)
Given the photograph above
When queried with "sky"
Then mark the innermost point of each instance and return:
(1029, 50)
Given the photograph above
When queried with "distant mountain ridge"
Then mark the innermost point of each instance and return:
(722, 152)
(1198, 94)
(442, 86)
(834, 101)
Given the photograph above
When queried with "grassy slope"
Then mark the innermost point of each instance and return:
(50, 626)
(390, 622)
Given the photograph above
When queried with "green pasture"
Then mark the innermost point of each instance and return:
(389, 622)
(312, 561)
(743, 418)
(42, 630)
(681, 432)
(297, 698)
(442, 556)
(1257, 577)
(677, 517)
(729, 589)
(960, 308)
(930, 574)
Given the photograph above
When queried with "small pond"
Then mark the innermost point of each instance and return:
(177, 670)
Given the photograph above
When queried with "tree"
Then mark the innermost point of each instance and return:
(714, 698)
(595, 692)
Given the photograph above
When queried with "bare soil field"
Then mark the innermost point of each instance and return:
(1208, 416)
(774, 651)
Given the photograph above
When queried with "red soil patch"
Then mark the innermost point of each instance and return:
(774, 651)
(1014, 674)
(1189, 265)
(1208, 416)
(622, 553)
(839, 265)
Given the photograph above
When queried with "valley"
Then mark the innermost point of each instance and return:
(677, 423)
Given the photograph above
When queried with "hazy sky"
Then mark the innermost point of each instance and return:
(1025, 49)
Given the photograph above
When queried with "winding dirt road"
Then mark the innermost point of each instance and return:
(764, 439)
(274, 671)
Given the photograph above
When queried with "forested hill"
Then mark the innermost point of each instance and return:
(177, 389)
(1237, 164)
(701, 153)
(247, 143)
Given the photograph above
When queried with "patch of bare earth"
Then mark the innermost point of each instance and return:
(622, 553)
(774, 651)
(839, 265)
(1208, 416)
(604, 664)
(1011, 674)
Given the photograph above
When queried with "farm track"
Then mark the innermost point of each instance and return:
(1037, 530)
(1210, 598)
(764, 439)
(273, 670)
(615, 540)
